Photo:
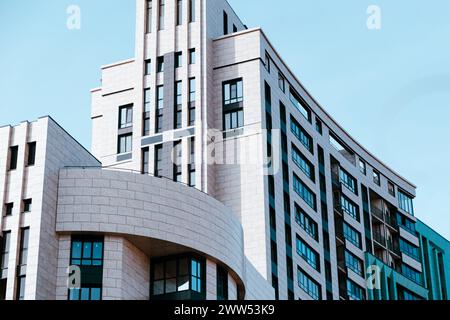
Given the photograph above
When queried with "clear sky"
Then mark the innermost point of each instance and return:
(390, 88)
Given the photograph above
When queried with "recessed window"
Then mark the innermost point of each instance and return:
(308, 254)
(148, 67)
(178, 105)
(308, 285)
(125, 116)
(159, 109)
(348, 181)
(233, 112)
(362, 167)
(124, 144)
(161, 14)
(158, 161)
(300, 105)
(145, 160)
(23, 257)
(301, 134)
(179, 12)
(191, 166)
(306, 222)
(4, 258)
(354, 263)
(178, 59)
(9, 209)
(318, 126)
(160, 65)
(305, 193)
(350, 208)
(376, 178)
(391, 188)
(27, 205)
(303, 163)
(354, 291)
(352, 235)
(191, 10)
(149, 16)
(235, 29)
(405, 202)
(281, 82)
(192, 56)
(13, 154)
(191, 106)
(177, 161)
(225, 23)
(222, 283)
(31, 153)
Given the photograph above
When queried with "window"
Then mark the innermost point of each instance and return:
(406, 223)
(145, 160)
(302, 135)
(160, 64)
(27, 205)
(267, 62)
(391, 188)
(307, 284)
(146, 116)
(349, 208)
(20, 293)
(192, 101)
(149, 15)
(235, 29)
(405, 202)
(179, 12)
(191, 10)
(233, 113)
(301, 161)
(319, 126)
(178, 105)
(23, 258)
(362, 167)
(306, 222)
(409, 249)
(304, 192)
(281, 82)
(158, 161)
(13, 153)
(376, 177)
(125, 116)
(352, 235)
(407, 295)
(225, 23)
(300, 105)
(31, 153)
(148, 67)
(4, 259)
(161, 14)
(9, 209)
(354, 291)
(178, 274)
(177, 169)
(88, 254)
(178, 59)
(353, 263)
(308, 254)
(191, 166)
(192, 56)
(348, 181)
(159, 109)
(222, 283)
(412, 274)
(125, 142)
(147, 100)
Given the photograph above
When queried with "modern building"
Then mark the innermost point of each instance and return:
(221, 177)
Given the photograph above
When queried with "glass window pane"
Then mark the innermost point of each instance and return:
(84, 294)
(158, 287)
(171, 269)
(74, 294)
(98, 250)
(171, 285)
(159, 271)
(95, 294)
(183, 283)
(183, 268)
(87, 250)
(76, 250)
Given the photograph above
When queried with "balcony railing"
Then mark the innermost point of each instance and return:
(377, 212)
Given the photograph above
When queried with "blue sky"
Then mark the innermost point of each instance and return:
(389, 88)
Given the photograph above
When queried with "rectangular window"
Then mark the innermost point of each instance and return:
(9, 209)
(160, 64)
(308, 254)
(20, 289)
(406, 223)
(319, 126)
(352, 235)
(177, 158)
(300, 105)
(405, 202)
(148, 67)
(391, 188)
(125, 142)
(192, 101)
(146, 115)
(409, 249)
(149, 16)
(178, 105)
(235, 29)
(225, 23)
(191, 166)
(31, 153)
(302, 135)
(125, 116)
(306, 222)
(222, 283)
(27, 205)
(349, 207)
(308, 285)
(179, 12)
(348, 181)
(4, 259)
(13, 154)
(178, 59)
(192, 56)
(353, 263)
(354, 291)
(267, 62)
(161, 14)
(145, 160)
(303, 163)
(159, 109)
(376, 177)
(304, 192)
(233, 112)
(158, 161)
(87, 253)
(281, 82)
(147, 100)
(412, 274)
(191, 10)
(23, 253)
(362, 167)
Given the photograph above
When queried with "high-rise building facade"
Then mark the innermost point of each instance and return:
(221, 177)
